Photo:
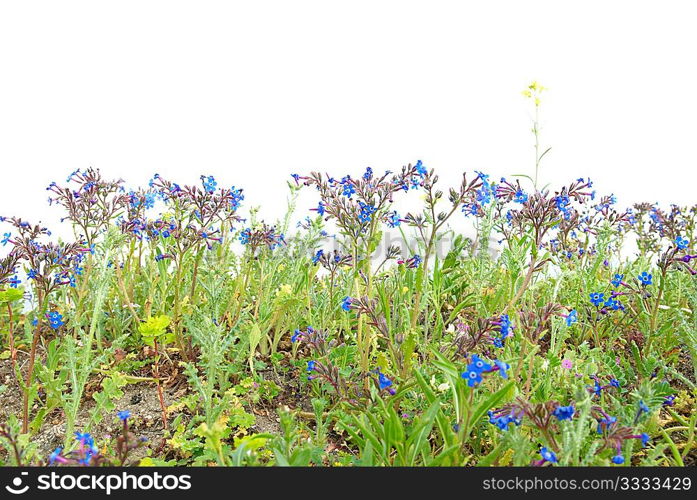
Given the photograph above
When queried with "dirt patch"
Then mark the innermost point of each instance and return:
(141, 399)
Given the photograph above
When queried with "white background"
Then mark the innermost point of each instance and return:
(252, 91)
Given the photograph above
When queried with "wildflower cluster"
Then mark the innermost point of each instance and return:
(261, 236)
(554, 346)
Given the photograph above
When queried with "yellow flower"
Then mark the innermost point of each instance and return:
(284, 290)
(405, 289)
(536, 87)
(533, 92)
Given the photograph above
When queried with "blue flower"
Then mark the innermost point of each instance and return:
(473, 377)
(478, 364)
(482, 176)
(618, 459)
(645, 438)
(320, 208)
(414, 262)
(643, 408)
(613, 304)
(87, 459)
(503, 421)
(548, 455)
(484, 194)
(615, 383)
(149, 201)
(420, 169)
(84, 438)
(597, 298)
(393, 219)
(606, 423)
(505, 326)
(209, 183)
(237, 198)
(520, 197)
(346, 303)
(70, 177)
(564, 412)
(317, 256)
(503, 368)
(470, 209)
(383, 381)
(645, 278)
(366, 212)
(597, 388)
(54, 455)
(500, 422)
(572, 317)
(681, 242)
(245, 235)
(6, 238)
(55, 320)
(617, 280)
(562, 202)
(348, 187)
(124, 415)
(311, 366)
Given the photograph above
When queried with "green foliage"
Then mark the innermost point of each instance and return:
(250, 355)
(155, 329)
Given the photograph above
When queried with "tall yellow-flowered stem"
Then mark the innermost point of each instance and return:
(533, 92)
(536, 131)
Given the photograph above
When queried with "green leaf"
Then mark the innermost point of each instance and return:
(155, 327)
(489, 459)
(11, 294)
(488, 403)
(254, 339)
